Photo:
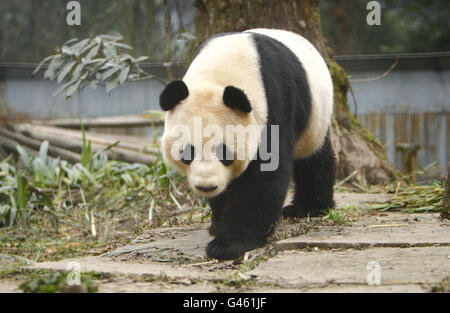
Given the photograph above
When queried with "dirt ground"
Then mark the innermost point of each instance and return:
(365, 252)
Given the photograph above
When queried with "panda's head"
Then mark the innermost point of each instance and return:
(210, 133)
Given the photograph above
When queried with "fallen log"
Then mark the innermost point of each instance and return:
(3, 153)
(10, 145)
(75, 145)
(60, 135)
(113, 121)
(36, 144)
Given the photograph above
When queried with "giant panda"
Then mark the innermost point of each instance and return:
(261, 78)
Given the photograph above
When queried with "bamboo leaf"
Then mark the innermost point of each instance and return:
(63, 87)
(93, 52)
(124, 74)
(141, 59)
(66, 69)
(112, 83)
(70, 41)
(76, 48)
(87, 48)
(87, 173)
(77, 71)
(110, 72)
(43, 151)
(22, 192)
(23, 155)
(112, 36)
(122, 45)
(42, 63)
(54, 64)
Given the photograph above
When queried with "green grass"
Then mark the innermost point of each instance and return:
(336, 217)
(443, 286)
(341, 216)
(56, 282)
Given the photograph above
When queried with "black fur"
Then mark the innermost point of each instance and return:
(174, 92)
(235, 98)
(244, 215)
(314, 179)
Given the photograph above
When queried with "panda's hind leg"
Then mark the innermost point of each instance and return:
(314, 179)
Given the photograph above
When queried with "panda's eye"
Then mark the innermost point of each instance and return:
(187, 155)
(224, 155)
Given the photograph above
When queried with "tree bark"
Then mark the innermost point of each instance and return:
(355, 147)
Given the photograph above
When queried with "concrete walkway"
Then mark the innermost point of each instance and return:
(379, 252)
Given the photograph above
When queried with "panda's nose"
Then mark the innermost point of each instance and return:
(206, 188)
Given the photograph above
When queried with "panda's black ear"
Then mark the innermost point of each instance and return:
(235, 98)
(174, 92)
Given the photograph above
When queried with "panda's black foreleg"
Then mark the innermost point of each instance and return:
(314, 179)
(217, 207)
(250, 209)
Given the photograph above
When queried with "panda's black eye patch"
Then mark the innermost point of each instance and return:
(187, 155)
(224, 155)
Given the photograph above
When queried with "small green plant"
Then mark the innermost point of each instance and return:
(342, 215)
(443, 286)
(10, 264)
(54, 282)
(238, 280)
(336, 216)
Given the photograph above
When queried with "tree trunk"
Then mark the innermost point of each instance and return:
(355, 147)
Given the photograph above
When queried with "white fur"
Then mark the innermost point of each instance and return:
(221, 64)
(320, 84)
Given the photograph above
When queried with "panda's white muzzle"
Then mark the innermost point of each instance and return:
(207, 177)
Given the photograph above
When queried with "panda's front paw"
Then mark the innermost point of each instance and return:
(291, 211)
(230, 249)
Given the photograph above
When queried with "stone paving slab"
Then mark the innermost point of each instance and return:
(416, 288)
(155, 287)
(381, 230)
(398, 266)
(348, 288)
(167, 244)
(363, 200)
(109, 266)
(9, 286)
